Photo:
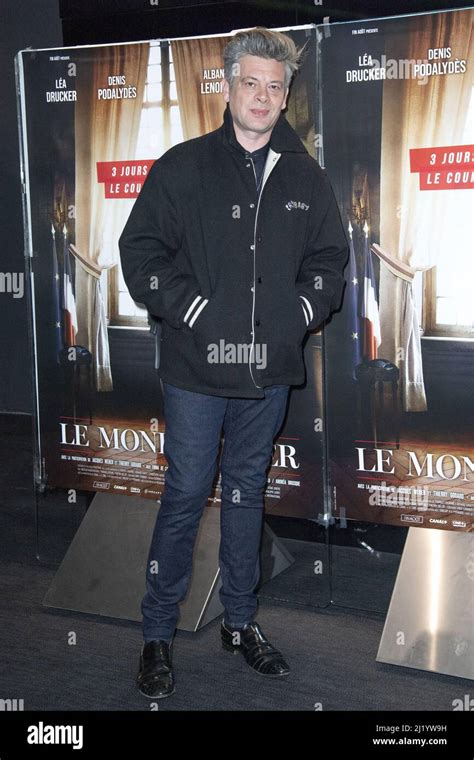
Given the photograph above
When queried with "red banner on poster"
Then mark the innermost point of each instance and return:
(123, 179)
(456, 157)
(450, 180)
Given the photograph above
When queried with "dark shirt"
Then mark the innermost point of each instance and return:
(259, 157)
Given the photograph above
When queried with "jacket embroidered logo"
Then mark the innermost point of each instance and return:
(297, 204)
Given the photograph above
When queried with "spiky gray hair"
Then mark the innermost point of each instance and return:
(263, 43)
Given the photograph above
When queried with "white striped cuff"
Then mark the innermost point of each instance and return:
(307, 309)
(194, 310)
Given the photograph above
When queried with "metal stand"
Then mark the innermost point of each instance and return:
(103, 571)
(429, 624)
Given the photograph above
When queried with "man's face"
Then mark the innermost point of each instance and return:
(258, 94)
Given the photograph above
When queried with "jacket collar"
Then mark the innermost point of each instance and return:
(283, 137)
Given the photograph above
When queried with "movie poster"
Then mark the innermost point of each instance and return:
(93, 121)
(398, 113)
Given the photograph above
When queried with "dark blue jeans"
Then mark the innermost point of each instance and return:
(194, 422)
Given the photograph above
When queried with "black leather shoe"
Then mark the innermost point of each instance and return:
(257, 650)
(155, 677)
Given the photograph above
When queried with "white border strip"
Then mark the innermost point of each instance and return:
(309, 308)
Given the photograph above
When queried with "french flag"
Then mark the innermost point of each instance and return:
(369, 307)
(352, 305)
(69, 302)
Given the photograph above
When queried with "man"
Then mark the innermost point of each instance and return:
(236, 243)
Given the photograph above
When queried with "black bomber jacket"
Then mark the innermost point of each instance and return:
(237, 277)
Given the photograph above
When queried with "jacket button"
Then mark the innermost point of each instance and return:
(251, 205)
(252, 289)
(247, 165)
(252, 247)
